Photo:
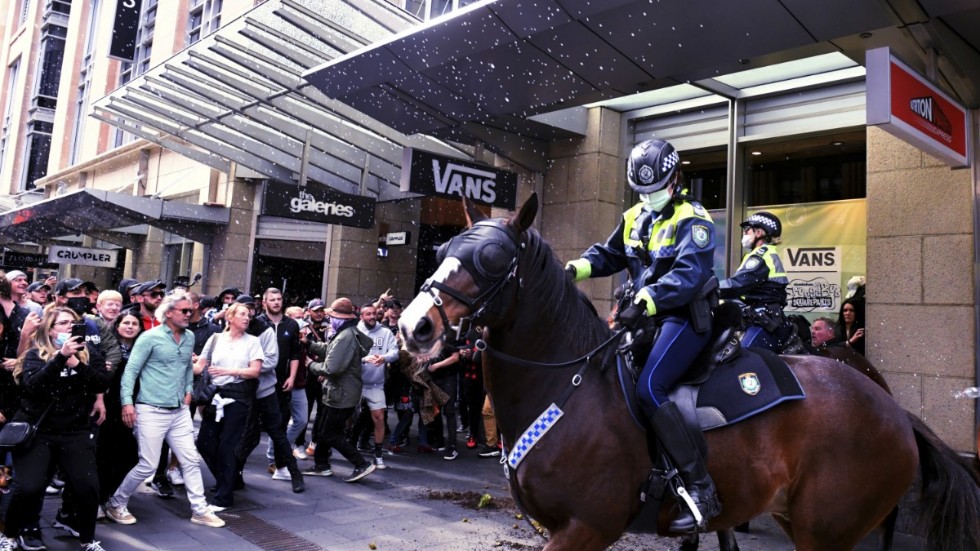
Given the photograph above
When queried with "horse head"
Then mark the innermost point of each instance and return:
(475, 280)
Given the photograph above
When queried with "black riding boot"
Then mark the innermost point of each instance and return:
(683, 446)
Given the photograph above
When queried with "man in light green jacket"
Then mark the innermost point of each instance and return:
(341, 388)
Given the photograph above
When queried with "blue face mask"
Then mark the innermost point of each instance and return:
(61, 338)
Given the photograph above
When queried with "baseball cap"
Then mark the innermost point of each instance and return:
(303, 323)
(127, 285)
(14, 274)
(148, 286)
(342, 308)
(245, 299)
(70, 284)
(37, 285)
(315, 304)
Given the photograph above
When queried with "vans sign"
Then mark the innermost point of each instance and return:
(814, 279)
(317, 203)
(431, 174)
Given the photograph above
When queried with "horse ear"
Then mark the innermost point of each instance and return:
(525, 217)
(473, 214)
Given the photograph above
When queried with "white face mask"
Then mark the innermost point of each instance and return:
(656, 200)
(748, 240)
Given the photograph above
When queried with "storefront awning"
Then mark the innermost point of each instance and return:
(238, 96)
(494, 64)
(96, 213)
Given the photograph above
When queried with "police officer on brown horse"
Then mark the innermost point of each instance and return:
(666, 243)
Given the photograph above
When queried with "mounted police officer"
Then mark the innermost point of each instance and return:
(760, 283)
(666, 243)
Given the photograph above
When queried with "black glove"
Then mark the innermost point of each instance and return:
(632, 316)
(571, 271)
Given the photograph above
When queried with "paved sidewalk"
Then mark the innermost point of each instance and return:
(419, 502)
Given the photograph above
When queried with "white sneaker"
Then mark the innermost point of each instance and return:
(119, 515)
(207, 519)
(300, 453)
(380, 463)
(281, 474)
(175, 476)
(7, 544)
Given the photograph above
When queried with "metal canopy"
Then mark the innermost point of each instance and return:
(499, 59)
(95, 212)
(238, 96)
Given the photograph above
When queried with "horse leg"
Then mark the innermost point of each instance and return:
(576, 536)
(726, 541)
(888, 531)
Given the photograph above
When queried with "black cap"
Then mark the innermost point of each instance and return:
(70, 284)
(147, 286)
(229, 291)
(127, 285)
(37, 285)
(245, 299)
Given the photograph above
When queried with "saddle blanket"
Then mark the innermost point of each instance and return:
(751, 383)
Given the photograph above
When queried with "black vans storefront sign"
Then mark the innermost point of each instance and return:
(431, 174)
(318, 204)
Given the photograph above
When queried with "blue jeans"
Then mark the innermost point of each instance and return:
(673, 352)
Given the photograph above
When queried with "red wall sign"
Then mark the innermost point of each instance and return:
(905, 104)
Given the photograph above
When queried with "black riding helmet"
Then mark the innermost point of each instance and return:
(765, 221)
(652, 165)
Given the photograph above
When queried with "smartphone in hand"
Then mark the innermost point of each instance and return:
(79, 329)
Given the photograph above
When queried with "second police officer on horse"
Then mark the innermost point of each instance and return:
(760, 283)
(666, 243)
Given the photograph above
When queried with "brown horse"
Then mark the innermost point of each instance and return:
(829, 468)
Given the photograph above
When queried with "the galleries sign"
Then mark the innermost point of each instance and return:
(431, 174)
(905, 104)
(318, 204)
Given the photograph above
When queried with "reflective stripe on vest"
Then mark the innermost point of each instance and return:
(663, 239)
(770, 255)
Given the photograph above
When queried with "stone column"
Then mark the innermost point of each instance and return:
(232, 245)
(584, 196)
(920, 290)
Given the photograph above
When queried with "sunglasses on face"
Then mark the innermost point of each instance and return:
(156, 294)
(186, 311)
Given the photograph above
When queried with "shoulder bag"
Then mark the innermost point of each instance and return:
(20, 434)
(204, 387)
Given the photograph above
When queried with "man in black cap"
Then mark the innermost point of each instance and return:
(126, 288)
(264, 409)
(149, 295)
(38, 292)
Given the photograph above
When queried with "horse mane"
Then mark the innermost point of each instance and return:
(563, 303)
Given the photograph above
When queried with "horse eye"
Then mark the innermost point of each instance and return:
(492, 260)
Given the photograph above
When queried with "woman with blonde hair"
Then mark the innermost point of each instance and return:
(59, 389)
(232, 359)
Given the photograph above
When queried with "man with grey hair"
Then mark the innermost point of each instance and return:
(823, 332)
(161, 362)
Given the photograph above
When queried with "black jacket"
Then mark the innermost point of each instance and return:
(71, 391)
(287, 337)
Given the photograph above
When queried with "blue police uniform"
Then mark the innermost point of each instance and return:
(670, 258)
(760, 282)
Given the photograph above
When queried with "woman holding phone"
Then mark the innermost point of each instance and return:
(58, 391)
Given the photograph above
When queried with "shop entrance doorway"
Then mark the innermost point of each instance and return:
(295, 267)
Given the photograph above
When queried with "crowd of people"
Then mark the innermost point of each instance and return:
(113, 379)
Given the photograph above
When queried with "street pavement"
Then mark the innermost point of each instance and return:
(421, 502)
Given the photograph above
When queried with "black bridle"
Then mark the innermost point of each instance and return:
(471, 249)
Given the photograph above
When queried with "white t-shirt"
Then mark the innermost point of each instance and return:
(235, 353)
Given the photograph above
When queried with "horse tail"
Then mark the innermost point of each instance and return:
(950, 493)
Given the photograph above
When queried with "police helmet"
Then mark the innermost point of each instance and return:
(651, 166)
(765, 221)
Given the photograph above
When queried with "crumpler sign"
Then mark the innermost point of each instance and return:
(906, 105)
(103, 258)
(125, 27)
(431, 174)
(318, 204)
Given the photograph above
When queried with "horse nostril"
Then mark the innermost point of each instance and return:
(423, 330)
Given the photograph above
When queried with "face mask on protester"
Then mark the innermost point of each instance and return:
(335, 323)
(748, 240)
(60, 339)
(80, 305)
(656, 200)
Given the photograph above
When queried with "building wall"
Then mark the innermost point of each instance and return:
(920, 291)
